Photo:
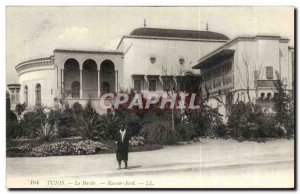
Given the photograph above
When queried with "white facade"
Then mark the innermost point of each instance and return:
(46, 79)
(172, 56)
(79, 75)
(144, 57)
(253, 63)
(34, 72)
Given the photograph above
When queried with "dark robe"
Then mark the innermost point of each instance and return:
(122, 146)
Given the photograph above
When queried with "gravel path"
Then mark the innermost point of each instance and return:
(210, 163)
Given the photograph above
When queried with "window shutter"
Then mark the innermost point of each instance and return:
(269, 72)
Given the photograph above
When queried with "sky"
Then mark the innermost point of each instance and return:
(33, 32)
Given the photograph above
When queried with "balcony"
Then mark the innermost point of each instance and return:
(265, 83)
(74, 96)
(85, 94)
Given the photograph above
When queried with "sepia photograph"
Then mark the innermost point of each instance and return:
(150, 97)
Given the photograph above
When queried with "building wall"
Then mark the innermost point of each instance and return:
(137, 53)
(259, 54)
(47, 79)
(256, 55)
(291, 66)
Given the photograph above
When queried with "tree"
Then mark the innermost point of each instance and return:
(12, 126)
(246, 78)
(20, 108)
(33, 120)
(178, 81)
(284, 107)
(85, 120)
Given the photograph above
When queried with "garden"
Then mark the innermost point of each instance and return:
(77, 130)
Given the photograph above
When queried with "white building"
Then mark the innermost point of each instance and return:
(140, 62)
(150, 53)
(147, 59)
(247, 62)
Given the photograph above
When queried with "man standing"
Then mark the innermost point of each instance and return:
(122, 145)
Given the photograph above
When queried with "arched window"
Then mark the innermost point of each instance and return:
(75, 89)
(26, 94)
(38, 94)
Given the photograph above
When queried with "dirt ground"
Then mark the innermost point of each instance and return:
(208, 164)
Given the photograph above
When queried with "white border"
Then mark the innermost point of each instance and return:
(5, 3)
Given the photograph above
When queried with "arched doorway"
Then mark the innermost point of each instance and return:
(71, 75)
(89, 79)
(107, 77)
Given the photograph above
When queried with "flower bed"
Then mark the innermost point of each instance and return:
(23, 148)
(72, 146)
(85, 147)
(137, 141)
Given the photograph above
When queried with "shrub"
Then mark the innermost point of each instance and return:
(160, 132)
(108, 125)
(284, 107)
(88, 147)
(62, 119)
(45, 132)
(24, 148)
(13, 129)
(85, 120)
(204, 121)
(239, 120)
(20, 108)
(85, 147)
(137, 141)
(54, 149)
(185, 130)
(266, 125)
(33, 120)
(248, 121)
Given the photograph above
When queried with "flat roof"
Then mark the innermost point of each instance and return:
(13, 85)
(169, 38)
(88, 51)
(233, 41)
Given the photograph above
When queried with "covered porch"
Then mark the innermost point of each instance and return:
(89, 80)
(84, 75)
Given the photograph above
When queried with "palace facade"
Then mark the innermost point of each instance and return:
(147, 58)
(140, 62)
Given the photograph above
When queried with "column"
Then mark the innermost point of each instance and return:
(80, 82)
(116, 81)
(62, 80)
(98, 84)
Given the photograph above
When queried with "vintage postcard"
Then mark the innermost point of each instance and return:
(150, 97)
